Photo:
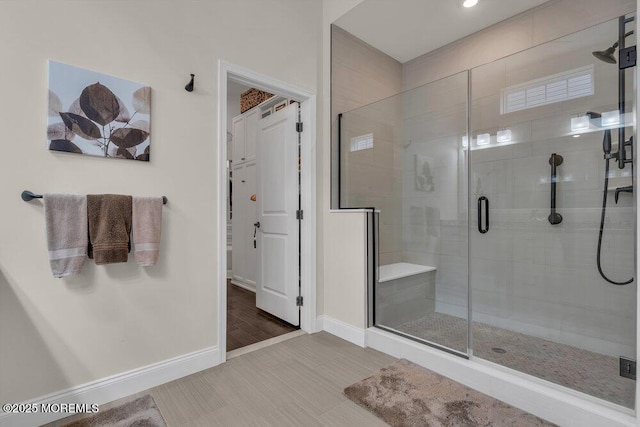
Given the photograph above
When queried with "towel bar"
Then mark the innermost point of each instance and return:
(28, 195)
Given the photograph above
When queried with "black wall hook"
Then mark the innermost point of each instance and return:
(189, 86)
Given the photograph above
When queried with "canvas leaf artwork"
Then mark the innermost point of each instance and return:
(98, 115)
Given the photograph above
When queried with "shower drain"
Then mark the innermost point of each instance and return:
(498, 350)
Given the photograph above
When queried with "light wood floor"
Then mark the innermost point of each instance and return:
(298, 382)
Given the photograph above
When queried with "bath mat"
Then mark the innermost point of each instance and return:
(404, 394)
(141, 412)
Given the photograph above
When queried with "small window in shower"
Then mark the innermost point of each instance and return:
(560, 87)
(362, 142)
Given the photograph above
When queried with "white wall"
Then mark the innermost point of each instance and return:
(58, 333)
(341, 250)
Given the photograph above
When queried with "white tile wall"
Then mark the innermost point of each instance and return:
(526, 274)
(362, 75)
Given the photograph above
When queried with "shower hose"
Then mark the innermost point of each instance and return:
(602, 216)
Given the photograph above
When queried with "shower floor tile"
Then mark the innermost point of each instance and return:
(582, 370)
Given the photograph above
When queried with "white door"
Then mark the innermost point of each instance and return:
(277, 283)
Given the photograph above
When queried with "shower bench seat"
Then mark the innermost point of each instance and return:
(400, 270)
(404, 292)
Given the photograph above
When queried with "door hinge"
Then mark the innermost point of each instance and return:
(299, 301)
(299, 127)
(627, 368)
(299, 214)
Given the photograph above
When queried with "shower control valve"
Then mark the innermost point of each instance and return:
(627, 189)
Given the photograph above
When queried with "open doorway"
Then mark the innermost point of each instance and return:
(266, 202)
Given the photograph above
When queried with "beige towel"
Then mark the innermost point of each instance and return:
(147, 224)
(109, 217)
(66, 225)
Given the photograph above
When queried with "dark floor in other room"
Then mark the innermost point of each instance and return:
(246, 324)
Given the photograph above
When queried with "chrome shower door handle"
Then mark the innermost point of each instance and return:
(483, 226)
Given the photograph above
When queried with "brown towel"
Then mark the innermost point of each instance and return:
(109, 227)
(66, 225)
(147, 224)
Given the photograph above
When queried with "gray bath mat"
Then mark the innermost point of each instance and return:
(404, 394)
(141, 412)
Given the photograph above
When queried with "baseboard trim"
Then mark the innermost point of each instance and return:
(561, 406)
(341, 329)
(117, 386)
(243, 285)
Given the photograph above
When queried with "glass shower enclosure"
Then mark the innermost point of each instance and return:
(504, 211)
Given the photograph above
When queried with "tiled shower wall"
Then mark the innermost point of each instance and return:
(360, 75)
(541, 279)
(544, 23)
(526, 274)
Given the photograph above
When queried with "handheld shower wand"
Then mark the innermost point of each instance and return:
(606, 147)
(621, 155)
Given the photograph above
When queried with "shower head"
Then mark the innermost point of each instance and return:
(607, 55)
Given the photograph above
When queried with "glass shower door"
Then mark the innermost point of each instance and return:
(435, 220)
(406, 156)
(542, 123)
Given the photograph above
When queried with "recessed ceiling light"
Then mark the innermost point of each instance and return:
(470, 3)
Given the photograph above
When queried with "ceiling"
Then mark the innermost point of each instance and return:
(406, 29)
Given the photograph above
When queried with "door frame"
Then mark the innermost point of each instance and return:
(228, 71)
